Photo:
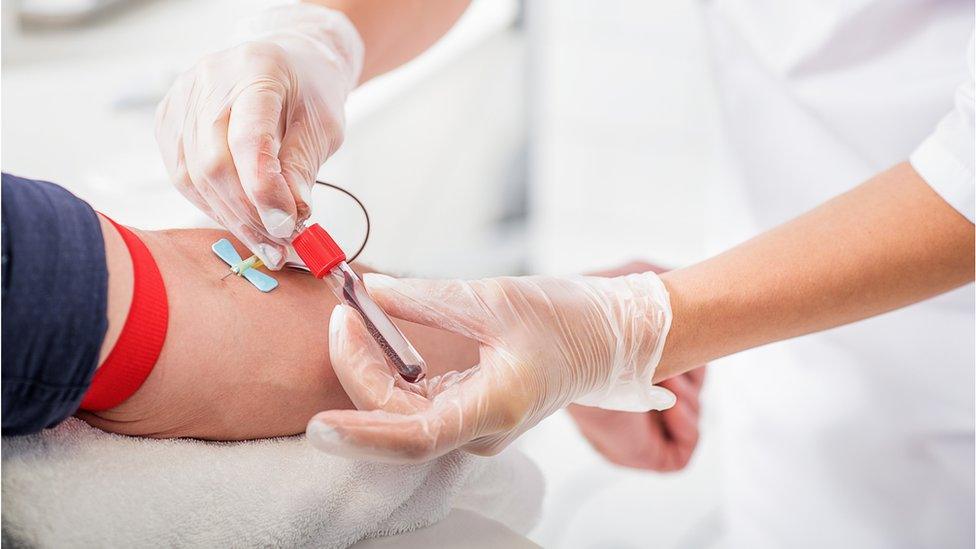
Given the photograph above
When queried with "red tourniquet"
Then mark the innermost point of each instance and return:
(141, 340)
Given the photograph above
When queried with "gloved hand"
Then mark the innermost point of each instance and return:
(656, 440)
(544, 342)
(244, 132)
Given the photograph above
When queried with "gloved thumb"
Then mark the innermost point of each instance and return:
(361, 367)
(451, 305)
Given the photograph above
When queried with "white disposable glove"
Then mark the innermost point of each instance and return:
(545, 342)
(244, 132)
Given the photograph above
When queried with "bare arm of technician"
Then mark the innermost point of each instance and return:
(396, 31)
(885, 244)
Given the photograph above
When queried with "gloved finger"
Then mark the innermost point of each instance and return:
(186, 188)
(396, 438)
(213, 175)
(481, 413)
(181, 179)
(377, 435)
(254, 138)
(362, 368)
(210, 163)
(169, 124)
(451, 305)
(170, 116)
(300, 163)
(271, 253)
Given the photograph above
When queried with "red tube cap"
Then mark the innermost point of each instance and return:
(317, 249)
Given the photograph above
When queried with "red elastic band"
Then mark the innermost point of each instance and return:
(143, 334)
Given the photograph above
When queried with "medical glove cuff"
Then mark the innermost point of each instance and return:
(328, 30)
(638, 313)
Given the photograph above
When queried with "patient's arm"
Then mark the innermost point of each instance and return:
(237, 363)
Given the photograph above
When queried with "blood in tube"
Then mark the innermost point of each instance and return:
(391, 340)
(327, 261)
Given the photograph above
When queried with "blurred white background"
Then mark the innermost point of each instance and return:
(556, 136)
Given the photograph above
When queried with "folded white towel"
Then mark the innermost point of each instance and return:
(75, 486)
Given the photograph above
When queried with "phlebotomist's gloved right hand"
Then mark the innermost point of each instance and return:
(244, 132)
(544, 342)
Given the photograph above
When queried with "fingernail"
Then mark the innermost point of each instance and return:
(306, 192)
(269, 255)
(322, 436)
(337, 320)
(279, 223)
(379, 281)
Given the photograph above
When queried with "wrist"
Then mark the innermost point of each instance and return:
(638, 314)
(326, 32)
(651, 317)
(707, 321)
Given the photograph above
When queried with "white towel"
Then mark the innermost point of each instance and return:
(76, 486)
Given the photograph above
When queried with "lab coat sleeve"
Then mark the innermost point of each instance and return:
(945, 159)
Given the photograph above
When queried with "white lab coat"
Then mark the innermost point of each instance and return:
(861, 436)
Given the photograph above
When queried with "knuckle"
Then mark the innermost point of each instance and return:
(253, 143)
(215, 166)
(208, 64)
(303, 210)
(510, 415)
(511, 404)
(263, 51)
(269, 194)
(263, 58)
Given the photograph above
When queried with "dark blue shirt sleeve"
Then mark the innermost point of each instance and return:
(54, 297)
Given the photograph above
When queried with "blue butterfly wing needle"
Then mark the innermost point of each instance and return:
(260, 280)
(225, 251)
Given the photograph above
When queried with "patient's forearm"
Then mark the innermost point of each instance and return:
(238, 363)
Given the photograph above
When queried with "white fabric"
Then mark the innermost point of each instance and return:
(75, 486)
(945, 159)
(861, 436)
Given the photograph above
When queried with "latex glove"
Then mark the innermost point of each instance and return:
(244, 132)
(657, 440)
(544, 342)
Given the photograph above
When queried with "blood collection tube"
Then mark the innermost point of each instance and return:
(327, 261)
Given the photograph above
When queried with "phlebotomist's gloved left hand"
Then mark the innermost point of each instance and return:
(544, 342)
(244, 132)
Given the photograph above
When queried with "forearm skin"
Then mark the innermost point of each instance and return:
(890, 242)
(396, 31)
(238, 363)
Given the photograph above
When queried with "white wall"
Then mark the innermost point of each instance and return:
(623, 132)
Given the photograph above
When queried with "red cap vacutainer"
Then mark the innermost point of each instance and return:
(326, 260)
(317, 249)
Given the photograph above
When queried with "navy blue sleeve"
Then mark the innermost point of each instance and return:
(54, 296)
